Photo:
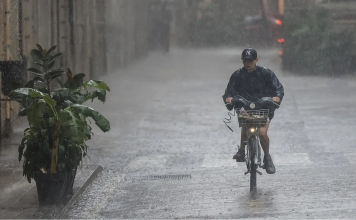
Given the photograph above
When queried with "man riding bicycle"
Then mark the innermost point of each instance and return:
(254, 82)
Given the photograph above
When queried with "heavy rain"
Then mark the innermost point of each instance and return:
(177, 109)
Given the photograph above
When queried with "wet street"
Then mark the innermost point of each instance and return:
(169, 154)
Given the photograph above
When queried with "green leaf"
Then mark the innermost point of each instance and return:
(35, 113)
(50, 64)
(36, 54)
(51, 49)
(22, 147)
(36, 94)
(39, 75)
(73, 126)
(101, 95)
(23, 112)
(61, 151)
(55, 56)
(56, 71)
(61, 94)
(69, 79)
(39, 63)
(69, 72)
(67, 103)
(20, 98)
(39, 47)
(76, 98)
(67, 94)
(79, 77)
(40, 79)
(99, 119)
(43, 90)
(54, 74)
(77, 81)
(99, 84)
(35, 71)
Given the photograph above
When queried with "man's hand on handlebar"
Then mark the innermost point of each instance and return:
(276, 99)
(229, 100)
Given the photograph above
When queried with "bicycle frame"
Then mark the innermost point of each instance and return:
(253, 156)
(253, 141)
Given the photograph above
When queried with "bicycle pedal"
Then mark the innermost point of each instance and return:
(258, 172)
(247, 172)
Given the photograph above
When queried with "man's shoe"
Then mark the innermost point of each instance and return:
(268, 165)
(239, 156)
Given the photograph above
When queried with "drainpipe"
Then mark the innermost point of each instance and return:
(8, 55)
(9, 59)
(281, 7)
(266, 25)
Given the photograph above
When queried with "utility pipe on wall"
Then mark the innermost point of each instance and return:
(8, 56)
(281, 7)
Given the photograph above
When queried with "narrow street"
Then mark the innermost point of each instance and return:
(169, 154)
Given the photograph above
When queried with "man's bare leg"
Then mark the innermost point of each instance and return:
(240, 155)
(264, 139)
(267, 160)
(243, 139)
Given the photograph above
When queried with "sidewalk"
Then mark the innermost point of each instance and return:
(18, 197)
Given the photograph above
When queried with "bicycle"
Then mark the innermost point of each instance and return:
(252, 116)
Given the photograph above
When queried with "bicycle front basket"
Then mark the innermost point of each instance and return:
(252, 118)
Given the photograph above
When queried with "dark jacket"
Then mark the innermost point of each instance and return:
(252, 86)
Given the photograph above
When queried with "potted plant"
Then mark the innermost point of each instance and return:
(54, 144)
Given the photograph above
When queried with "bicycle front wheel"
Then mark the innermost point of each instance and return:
(253, 167)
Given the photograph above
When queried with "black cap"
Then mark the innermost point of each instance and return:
(249, 54)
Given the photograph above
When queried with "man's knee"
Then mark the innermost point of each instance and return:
(263, 132)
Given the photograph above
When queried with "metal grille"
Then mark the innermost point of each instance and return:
(252, 118)
(160, 177)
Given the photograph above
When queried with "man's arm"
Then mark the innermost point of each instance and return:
(277, 86)
(230, 90)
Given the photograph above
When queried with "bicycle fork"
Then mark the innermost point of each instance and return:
(253, 155)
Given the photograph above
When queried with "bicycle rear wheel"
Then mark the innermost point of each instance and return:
(253, 167)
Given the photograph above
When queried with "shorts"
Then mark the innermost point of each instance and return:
(270, 116)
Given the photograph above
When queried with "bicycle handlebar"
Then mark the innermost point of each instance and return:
(264, 102)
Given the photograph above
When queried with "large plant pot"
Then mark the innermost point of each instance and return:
(70, 182)
(50, 187)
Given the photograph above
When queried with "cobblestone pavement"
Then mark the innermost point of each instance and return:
(169, 154)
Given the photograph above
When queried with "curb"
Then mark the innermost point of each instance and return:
(79, 192)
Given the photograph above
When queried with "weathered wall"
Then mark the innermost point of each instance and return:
(9, 44)
(95, 36)
(126, 29)
(76, 27)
